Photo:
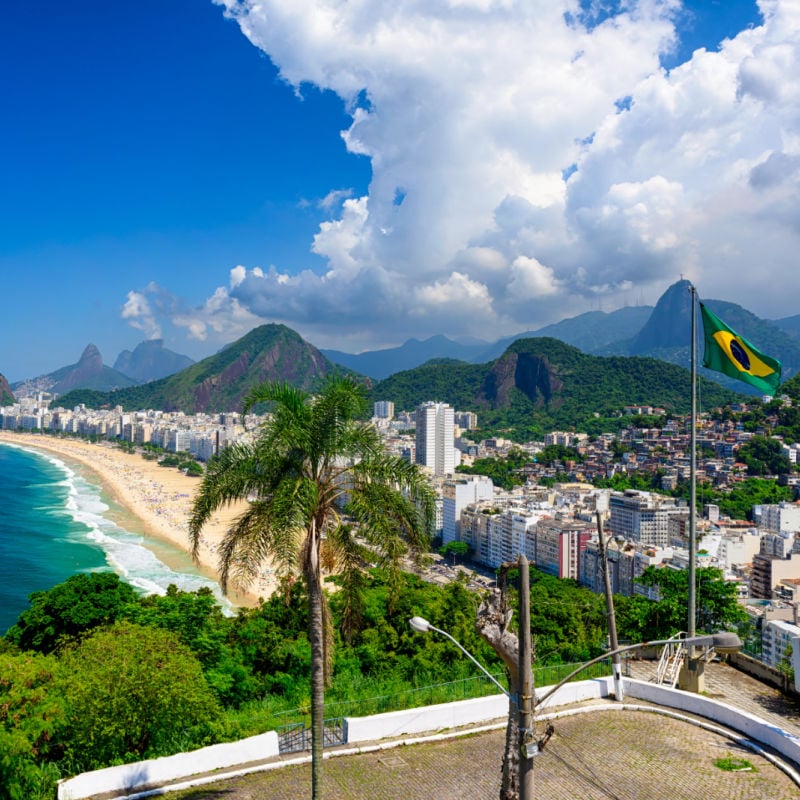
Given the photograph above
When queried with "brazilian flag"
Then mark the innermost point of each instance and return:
(733, 355)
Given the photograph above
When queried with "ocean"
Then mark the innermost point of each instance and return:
(56, 521)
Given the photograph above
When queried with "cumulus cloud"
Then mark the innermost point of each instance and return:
(531, 160)
(139, 314)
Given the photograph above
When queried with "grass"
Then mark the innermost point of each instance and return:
(731, 763)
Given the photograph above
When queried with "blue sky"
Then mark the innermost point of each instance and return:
(367, 172)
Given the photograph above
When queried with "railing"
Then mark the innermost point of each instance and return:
(463, 689)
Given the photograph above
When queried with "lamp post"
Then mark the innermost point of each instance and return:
(527, 701)
(422, 625)
(724, 642)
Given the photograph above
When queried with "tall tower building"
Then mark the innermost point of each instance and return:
(435, 438)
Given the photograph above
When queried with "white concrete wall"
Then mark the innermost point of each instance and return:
(130, 777)
(463, 712)
(133, 777)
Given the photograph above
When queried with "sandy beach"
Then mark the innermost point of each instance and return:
(159, 497)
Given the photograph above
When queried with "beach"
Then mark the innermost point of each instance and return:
(159, 497)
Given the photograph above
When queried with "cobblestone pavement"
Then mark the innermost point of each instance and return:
(599, 755)
(729, 685)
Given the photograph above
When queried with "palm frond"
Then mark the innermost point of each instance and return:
(352, 558)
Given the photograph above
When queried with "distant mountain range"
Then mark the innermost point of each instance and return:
(88, 373)
(150, 361)
(220, 382)
(537, 384)
(275, 352)
(661, 332)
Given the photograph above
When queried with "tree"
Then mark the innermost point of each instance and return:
(30, 716)
(718, 608)
(314, 464)
(69, 609)
(764, 456)
(133, 692)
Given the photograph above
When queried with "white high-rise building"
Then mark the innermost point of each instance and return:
(436, 437)
(457, 494)
(383, 409)
(642, 517)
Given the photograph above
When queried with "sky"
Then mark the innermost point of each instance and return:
(366, 171)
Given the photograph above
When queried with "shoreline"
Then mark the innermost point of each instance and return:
(160, 498)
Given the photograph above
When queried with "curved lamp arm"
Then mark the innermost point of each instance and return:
(423, 626)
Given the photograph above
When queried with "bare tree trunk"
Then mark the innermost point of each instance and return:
(493, 619)
(316, 636)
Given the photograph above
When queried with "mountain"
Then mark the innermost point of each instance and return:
(220, 382)
(590, 332)
(544, 384)
(150, 360)
(380, 364)
(6, 395)
(666, 335)
(790, 325)
(89, 373)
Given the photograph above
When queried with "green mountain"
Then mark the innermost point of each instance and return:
(546, 384)
(220, 382)
(6, 396)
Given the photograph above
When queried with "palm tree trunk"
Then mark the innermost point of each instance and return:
(316, 637)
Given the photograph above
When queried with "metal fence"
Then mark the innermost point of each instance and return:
(463, 689)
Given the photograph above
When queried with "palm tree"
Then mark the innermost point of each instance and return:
(324, 494)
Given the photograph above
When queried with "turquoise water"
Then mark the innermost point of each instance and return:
(55, 522)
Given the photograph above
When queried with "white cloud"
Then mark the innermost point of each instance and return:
(140, 315)
(529, 163)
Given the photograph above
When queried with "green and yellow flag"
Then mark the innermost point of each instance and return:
(734, 356)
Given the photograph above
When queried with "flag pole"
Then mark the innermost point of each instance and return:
(691, 677)
(693, 473)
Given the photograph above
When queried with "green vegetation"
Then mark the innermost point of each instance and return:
(764, 456)
(74, 697)
(641, 620)
(731, 763)
(130, 691)
(504, 472)
(544, 384)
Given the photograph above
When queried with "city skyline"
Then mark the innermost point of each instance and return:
(190, 170)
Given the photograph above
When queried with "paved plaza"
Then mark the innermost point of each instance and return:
(601, 754)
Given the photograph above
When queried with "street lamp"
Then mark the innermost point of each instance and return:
(422, 625)
(723, 642)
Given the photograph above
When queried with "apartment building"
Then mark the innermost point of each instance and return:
(559, 544)
(457, 494)
(435, 438)
(642, 517)
(776, 642)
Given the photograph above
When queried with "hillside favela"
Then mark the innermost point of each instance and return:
(400, 402)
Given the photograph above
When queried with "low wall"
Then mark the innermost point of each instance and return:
(460, 713)
(761, 671)
(139, 777)
(158, 771)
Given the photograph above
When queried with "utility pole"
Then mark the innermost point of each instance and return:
(613, 644)
(525, 699)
